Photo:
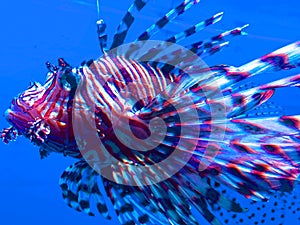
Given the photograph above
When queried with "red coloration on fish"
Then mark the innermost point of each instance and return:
(162, 131)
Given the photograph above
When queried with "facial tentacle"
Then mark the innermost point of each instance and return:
(9, 134)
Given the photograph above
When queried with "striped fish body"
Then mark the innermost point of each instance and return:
(162, 131)
(118, 88)
(114, 84)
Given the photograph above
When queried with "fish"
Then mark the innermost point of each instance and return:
(163, 132)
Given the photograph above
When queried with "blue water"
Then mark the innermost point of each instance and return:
(33, 32)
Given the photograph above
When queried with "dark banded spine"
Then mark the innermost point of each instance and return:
(168, 17)
(195, 28)
(126, 22)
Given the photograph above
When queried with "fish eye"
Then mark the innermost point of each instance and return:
(68, 79)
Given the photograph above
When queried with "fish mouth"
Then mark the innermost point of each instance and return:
(21, 113)
(9, 115)
(19, 120)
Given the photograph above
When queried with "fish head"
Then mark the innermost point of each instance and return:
(23, 112)
(40, 113)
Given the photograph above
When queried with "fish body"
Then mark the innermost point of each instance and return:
(162, 130)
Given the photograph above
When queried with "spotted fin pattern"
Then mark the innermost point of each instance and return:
(281, 209)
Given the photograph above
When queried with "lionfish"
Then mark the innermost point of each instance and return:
(162, 132)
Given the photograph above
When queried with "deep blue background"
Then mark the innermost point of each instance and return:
(33, 32)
